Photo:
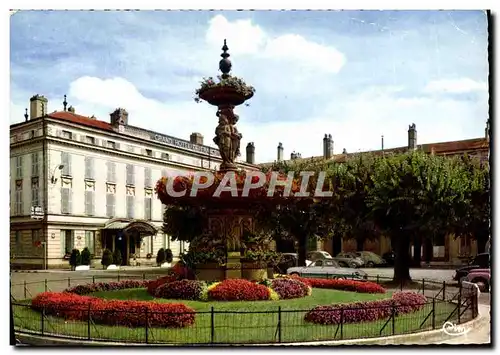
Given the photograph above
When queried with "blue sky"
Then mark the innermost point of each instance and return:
(354, 74)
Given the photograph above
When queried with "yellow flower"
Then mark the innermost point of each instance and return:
(273, 295)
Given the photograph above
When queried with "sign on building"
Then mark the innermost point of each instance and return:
(36, 212)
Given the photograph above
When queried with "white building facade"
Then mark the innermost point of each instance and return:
(91, 184)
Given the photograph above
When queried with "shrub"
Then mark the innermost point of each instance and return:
(107, 258)
(106, 286)
(114, 312)
(169, 256)
(117, 257)
(343, 285)
(289, 288)
(160, 257)
(182, 289)
(85, 256)
(75, 259)
(238, 290)
(171, 276)
(401, 302)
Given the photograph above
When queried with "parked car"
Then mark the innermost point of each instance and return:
(481, 261)
(288, 260)
(349, 260)
(371, 259)
(389, 258)
(480, 277)
(318, 255)
(327, 268)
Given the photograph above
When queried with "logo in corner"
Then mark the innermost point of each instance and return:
(450, 328)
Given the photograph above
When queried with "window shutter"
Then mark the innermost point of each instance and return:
(64, 200)
(93, 203)
(147, 208)
(63, 243)
(87, 239)
(88, 202)
(147, 177)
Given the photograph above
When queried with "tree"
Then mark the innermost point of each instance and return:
(160, 257)
(75, 259)
(86, 257)
(117, 257)
(107, 258)
(415, 194)
(169, 256)
(301, 219)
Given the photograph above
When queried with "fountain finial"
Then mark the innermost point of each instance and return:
(225, 63)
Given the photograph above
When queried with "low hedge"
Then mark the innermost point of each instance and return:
(182, 289)
(106, 286)
(400, 303)
(343, 285)
(72, 306)
(154, 284)
(290, 288)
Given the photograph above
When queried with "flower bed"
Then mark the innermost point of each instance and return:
(400, 303)
(290, 288)
(182, 289)
(71, 306)
(239, 290)
(343, 285)
(106, 286)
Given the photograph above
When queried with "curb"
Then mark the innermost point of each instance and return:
(434, 336)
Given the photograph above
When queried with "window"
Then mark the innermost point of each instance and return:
(147, 208)
(67, 241)
(67, 134)
(319, 263)
(110, 205)
(89, 203)
(130, 206)
(130, 174)
(66, 162)
(19, 243)
(35, 171)
(149, 152)
(19, 167)
(89, 140)
(111, 171)
(165, 156)
(35, 194)
(35, 236)
(19, 202)
(111, 144)
(89, 168)
(90, 241)
(66, 201)
(147, 177)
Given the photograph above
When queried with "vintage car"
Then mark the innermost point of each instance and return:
(288, 260)
(349, 260)
(481, 261)
(480, 277)
(371, 259)
(327, 268)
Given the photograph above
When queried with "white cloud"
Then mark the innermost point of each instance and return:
(244, 37)
(455, 86)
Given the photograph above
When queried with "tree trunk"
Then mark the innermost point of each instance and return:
(417, 251)
(360, 244)
(481, 243)
(302, 249)
(402, 260)
(428, 250)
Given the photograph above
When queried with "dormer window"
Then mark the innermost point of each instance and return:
(111, 144)
(67, 135)
(89, 140)
(165, 156)
(149, 152)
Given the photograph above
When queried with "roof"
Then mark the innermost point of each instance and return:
(79, 119)
(441, 148)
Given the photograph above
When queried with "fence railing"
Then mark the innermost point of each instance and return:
(227, 327)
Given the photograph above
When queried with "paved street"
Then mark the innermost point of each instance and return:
(416, 274)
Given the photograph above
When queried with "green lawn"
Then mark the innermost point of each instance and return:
(255, 322)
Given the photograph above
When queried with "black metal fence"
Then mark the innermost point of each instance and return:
(217, 326)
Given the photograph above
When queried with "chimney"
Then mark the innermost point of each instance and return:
(327, 146)
(412, 137)
(251, 153)
(344, 151)
(295, 156)
(382, 142)
(196, 138)
(71, 109)
(38, 106)
(119, 117)
(280, 152)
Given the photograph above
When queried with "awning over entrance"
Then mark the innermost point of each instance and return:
(138, 226)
